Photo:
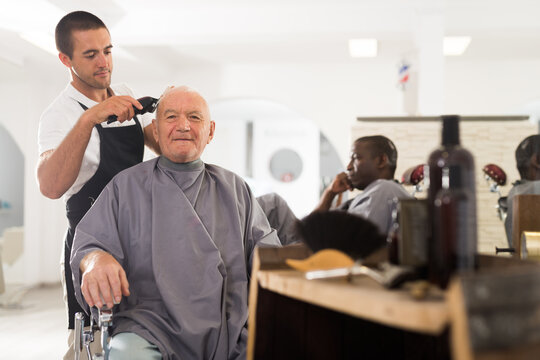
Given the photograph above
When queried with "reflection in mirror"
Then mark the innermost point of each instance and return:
(491, 139)
(274, 149)
(285, 165)
(11, 206)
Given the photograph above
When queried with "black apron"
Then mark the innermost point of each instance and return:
(120, 148)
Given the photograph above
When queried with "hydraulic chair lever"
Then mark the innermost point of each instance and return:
(83, 337)
(105, 321)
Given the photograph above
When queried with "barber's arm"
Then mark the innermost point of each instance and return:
(150, 140)
(338, 185)
(102, 276)
(58, 168)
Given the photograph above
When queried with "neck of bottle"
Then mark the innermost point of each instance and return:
(450, 131)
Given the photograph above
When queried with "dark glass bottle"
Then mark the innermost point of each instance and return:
(449, 155)
(454, 226)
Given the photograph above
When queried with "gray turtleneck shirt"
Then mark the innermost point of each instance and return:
(184, 234)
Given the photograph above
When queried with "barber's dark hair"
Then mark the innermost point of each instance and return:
(76, 20)
(525, 150)
(381, 145)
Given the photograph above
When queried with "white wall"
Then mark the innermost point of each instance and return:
(331, 94)
(25, 92)
(490, 86)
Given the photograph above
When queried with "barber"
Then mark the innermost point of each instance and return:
(79, 151)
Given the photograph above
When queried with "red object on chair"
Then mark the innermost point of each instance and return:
(413, 175)
(495, 173)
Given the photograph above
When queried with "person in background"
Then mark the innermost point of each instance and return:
(371, 169)
(280, 216)
(175, 237)
(79, 151)
(528, 165)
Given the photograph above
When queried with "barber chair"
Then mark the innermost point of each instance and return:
(496, 177)
(11, 250)
(525, 219)
(414, 176)
(83, 337)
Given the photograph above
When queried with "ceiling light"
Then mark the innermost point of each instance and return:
(31, 15)
(46, 42)
(363, 47)
(42, 40)
(455, 45)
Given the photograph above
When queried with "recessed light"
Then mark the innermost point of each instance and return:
(455, 45)
(363, 47)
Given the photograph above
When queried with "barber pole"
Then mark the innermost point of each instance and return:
(403, 75)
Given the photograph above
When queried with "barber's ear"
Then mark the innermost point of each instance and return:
(212, 130)
(65, 59)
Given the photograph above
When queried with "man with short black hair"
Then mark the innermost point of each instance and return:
(528, 164)
(371, 169)
(79, 151)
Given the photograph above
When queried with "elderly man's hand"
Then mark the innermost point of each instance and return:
(102, 279)
(340, 184)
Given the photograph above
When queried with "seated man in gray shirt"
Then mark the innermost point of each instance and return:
(176, 237)
(528, 165)
(371, 169)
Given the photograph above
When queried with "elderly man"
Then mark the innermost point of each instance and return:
(371, 169)
(175, 237)
(528, 165)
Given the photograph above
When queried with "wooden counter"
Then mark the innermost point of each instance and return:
(363, 298)
(295, 318)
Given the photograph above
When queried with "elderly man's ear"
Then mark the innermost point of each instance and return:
(212, 130)
(154, 130)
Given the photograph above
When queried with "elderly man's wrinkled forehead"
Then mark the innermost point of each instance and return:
(173, 94)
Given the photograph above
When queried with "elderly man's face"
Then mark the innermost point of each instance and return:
(183, 126)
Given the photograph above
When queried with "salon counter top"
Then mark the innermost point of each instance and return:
(363, 298)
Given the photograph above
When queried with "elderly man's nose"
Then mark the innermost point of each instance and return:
(183, 123)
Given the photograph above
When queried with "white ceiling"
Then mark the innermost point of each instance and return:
(166, 32)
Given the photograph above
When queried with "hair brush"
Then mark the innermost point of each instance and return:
(349, 233)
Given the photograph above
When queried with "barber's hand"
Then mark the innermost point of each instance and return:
(121, 106)
(340, 184)
(102, 276)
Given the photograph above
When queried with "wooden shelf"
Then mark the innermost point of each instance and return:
(363, 298)
(437, 118)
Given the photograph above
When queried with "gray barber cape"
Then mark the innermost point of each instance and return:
(184, 234)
